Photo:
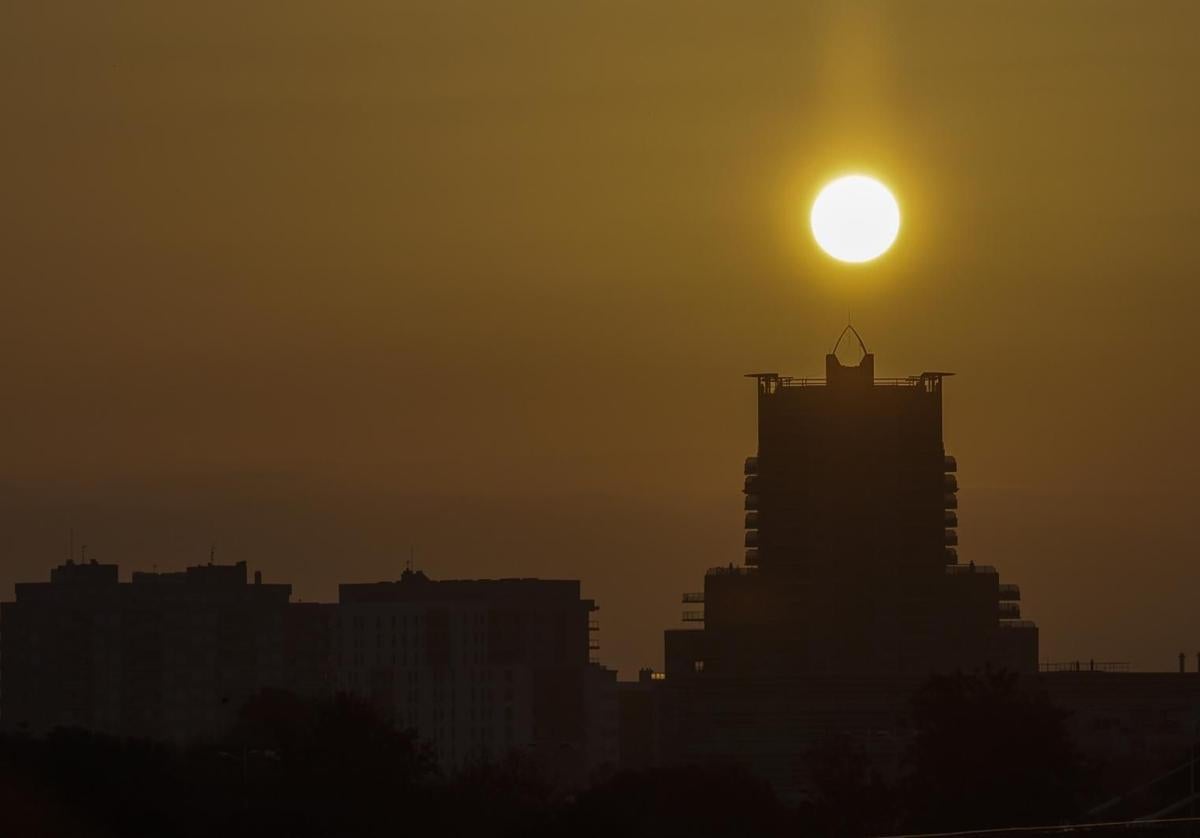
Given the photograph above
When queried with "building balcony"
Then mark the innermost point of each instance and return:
(1018, 624)
(957, 569)
(951, 555)
(949, 482)
(696, 597)
(1010, 611)
(750, 486)
(951, 538)
(949, 464)
(751, 520)
(752, 556)
(693, 616)
(950, 519)
(751, 465)
(593, 625)
(751, 538)
(730, 570)
(950, 501)
(593, 644)
(751, 502)
(1009, 592)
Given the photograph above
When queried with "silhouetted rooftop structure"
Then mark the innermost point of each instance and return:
(851, 562)
(851, 590)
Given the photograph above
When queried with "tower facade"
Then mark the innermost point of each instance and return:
(851, 563)
(850, 475)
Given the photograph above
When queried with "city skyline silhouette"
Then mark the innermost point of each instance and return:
(584, 419)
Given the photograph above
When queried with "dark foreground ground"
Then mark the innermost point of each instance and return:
(331, 768)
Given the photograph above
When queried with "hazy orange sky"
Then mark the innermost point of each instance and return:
(317, 282)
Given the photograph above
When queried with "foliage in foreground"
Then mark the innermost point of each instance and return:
(983, 753)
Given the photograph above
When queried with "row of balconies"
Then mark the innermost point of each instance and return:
(751, 505)
(949, 499)
(950, 503)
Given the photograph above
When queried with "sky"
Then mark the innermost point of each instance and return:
(329, 285)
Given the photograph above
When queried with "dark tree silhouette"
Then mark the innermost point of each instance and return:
(849, 796)
(988, 753)
(326, 767)
(692, 801)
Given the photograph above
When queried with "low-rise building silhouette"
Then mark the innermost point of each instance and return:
(479, 668)
(167, 656)
(476, 668)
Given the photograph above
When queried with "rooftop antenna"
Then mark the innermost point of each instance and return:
(71, 544)
(412, 551)
(853, 331)
(83, 554)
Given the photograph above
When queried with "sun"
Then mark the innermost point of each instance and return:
(855, 219)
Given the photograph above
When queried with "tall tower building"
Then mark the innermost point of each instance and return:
(851, 563)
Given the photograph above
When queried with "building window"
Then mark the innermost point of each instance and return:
(698, 666)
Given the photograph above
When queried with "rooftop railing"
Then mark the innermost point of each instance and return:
(767, 379)
(1084, 666)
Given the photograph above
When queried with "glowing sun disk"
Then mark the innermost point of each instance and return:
(855, 219)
